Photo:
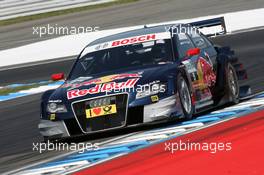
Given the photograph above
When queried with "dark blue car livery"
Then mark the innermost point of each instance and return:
(139, 77)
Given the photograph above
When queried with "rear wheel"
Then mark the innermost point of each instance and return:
(46, 139)
(185, 97)
(232, 84)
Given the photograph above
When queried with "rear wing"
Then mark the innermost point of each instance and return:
(211, 27)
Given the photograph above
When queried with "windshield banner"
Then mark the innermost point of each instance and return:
(126, 41)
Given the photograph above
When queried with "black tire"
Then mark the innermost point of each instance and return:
(46, 139)
(185, 97)
(50, 139)
(232, 86)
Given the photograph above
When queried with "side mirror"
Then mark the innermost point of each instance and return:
(193, 51)
(57, 77)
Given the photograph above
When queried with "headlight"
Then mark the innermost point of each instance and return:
(56, 108)
(150, 89)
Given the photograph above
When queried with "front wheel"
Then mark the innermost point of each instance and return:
(185, 97)
(232, 87)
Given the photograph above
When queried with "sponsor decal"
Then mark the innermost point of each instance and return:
(154, 98)
(52, 116)
(55, 101)
(104, 79)
(189, 66)
(101, 111)
(204, 79)
(99, 88)
(102, 46)
(133, 40)
(206, 75)
(126, 41)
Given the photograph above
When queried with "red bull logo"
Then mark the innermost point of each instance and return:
(100, 88)
(105, 79)
(206, 74)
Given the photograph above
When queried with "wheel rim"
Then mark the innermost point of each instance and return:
(232, 82)
(185, 96)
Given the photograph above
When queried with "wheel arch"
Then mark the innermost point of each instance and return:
(182, 70)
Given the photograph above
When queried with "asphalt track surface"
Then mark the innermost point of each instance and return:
(141, 12)
(19, 117)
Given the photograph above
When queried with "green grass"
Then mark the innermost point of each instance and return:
(62, 12)
(7, 90)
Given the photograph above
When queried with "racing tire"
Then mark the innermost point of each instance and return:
(46, 139)
(185, 97)
(232, 87)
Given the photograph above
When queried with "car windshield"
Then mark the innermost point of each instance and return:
(155, 52)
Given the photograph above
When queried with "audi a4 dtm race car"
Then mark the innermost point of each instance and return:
(137, 77)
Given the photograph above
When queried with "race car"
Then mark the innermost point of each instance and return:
(147, 75)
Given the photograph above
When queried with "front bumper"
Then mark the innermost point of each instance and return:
(163, 109)
(53, 129)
